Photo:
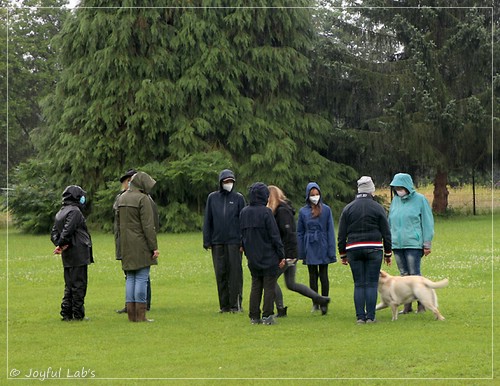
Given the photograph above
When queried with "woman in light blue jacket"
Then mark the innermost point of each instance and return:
(316, 241)
(412, 228)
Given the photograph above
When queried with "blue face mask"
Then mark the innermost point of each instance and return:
(82, 200)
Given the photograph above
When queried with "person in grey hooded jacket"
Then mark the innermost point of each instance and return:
(138, 243)
(72, 240)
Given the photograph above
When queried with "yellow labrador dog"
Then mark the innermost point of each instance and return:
(397, 290)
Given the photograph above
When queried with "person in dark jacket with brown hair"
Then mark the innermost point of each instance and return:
(263, 248)
(72, 240)
(284, 214)
(138, 243)
(221, 234)
(363, 233)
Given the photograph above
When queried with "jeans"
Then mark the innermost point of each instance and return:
(136, 285)
(365, 268)
(229, 275)
(408, 261)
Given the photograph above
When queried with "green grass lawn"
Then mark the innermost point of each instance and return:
(191, 343)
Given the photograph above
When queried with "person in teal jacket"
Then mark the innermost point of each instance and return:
(412, 228)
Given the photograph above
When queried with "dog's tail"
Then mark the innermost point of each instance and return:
(436, 284)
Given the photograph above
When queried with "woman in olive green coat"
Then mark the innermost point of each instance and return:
(138, 244)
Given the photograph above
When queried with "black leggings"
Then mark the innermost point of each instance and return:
(292, 285)
(321, 272)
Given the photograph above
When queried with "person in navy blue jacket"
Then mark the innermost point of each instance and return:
(363, 233)
(284, 214)
(221, 234)
(316, 241)
(261, 242)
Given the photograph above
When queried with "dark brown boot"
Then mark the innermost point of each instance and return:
(131, 312)
(407, 309)
(140, 311)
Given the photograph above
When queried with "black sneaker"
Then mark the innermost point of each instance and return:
(256, 321)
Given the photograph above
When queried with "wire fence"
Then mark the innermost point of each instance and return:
(462, 199)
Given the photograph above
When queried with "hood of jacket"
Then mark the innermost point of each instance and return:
(72, 194)
(226, 173)
(142, 181)
(259, 194)
(404, 180)
(309, 187)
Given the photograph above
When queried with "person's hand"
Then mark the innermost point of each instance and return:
(427, 251)
(58, 250)
(388, 258)
(345, 261)
(156, 253)
(282, 263)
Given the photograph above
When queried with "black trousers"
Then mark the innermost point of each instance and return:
(229, 276)
(266, 284)
(319, 272)
(75, 289)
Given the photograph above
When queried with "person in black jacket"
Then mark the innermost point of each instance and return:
(284, 214)
(263, 248)
(221, 234)
(72, 240)
(363, 233)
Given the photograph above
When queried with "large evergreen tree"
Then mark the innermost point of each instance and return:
(185, 92)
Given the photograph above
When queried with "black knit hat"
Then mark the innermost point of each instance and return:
(128, 174)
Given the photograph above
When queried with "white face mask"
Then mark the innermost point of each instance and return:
(401, 193)
(228, 186)
(314, 199)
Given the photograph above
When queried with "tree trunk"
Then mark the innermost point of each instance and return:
(440, 201)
